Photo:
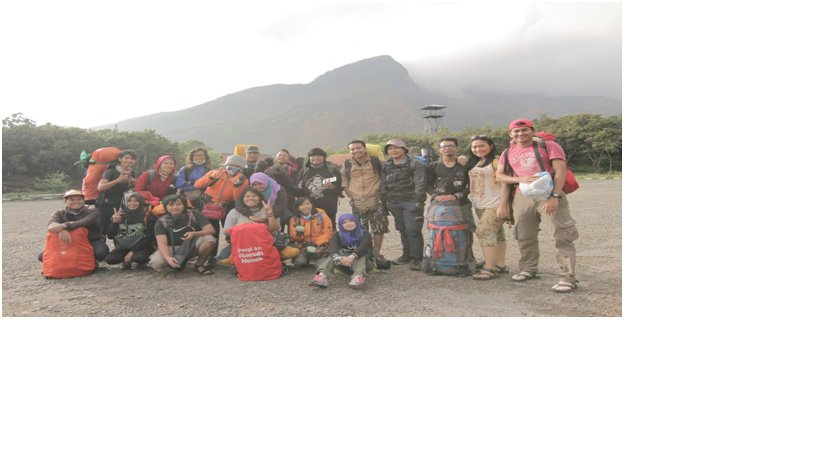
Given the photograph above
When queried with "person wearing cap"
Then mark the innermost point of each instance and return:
(252, 152)
(223, 186)
(76, 215)
(402, 189)
(520, 164)
(361, 182)
(321, 181)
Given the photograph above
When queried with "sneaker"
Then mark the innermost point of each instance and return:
(404, 259)
(357, 282)
(417, 265)
(320, 280)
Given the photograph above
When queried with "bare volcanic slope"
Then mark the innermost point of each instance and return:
(372, 95)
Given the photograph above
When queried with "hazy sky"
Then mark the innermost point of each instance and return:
(88, 63)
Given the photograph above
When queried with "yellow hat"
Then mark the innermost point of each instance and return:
(73, 193)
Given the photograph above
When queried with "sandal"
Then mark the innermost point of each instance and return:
(500, 269)
(564, 286)
(202, 270)
(524, 276)
(484, 275)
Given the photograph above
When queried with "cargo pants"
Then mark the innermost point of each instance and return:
(561, 227)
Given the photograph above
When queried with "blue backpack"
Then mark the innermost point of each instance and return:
(448, 251)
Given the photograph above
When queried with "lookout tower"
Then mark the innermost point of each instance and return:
(433, 118)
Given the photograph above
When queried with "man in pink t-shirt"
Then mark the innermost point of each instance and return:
(528, 213)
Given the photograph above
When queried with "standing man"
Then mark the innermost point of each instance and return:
(361, 182)
(448, 180)
(519, 164)
(321, 182)
(252, 154)
(402, 189)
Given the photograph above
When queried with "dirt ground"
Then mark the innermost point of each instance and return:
(110, 291)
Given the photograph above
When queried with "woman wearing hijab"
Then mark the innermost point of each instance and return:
(272, 192)
(129, 225)
(160, 181)
(177, 226)
(347, 249)
(115, 181)
(310, 230)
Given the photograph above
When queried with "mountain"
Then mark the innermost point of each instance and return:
(372, 95)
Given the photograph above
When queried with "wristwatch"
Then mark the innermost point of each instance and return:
(63, 225)
(557, 195)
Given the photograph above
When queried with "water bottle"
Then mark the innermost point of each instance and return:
(83, 156)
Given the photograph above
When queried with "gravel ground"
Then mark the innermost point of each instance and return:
(597, 207)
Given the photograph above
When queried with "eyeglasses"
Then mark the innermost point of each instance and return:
(446, 147)
(480, 137)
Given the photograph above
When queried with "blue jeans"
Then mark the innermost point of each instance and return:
(408, 219)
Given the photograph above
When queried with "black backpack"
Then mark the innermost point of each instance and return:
(375, 163)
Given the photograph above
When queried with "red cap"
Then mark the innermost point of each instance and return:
(521, 123)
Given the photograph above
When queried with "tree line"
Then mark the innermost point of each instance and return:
(591, 142)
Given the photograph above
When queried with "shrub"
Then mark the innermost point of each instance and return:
(56, 182)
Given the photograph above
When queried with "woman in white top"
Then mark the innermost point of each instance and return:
(485, 194)
(251, 208)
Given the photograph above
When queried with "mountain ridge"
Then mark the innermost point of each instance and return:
(371, 95)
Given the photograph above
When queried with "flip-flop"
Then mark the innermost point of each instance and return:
(563, 287)
(206, 270)
(481, 275)
(524, 276)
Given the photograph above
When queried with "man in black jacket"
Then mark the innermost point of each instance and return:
(402, 190)
(321, 182)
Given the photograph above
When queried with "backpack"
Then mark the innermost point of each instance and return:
(97, 163)
(375, 163)
(68, 260)
(570, 183)
(422, 159)
(254, 253)
(448, 251)
(165, 220)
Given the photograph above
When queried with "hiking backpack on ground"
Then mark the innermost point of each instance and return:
(99, 161)
(448, 251)
(68, 260)
(254, 253)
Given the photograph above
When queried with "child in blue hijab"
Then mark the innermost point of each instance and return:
(348, 248)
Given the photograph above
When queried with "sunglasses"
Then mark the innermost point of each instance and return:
(479, 137)
(233, 170)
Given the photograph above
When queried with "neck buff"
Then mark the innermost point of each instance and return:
(270, 193)
(349, 238)
(199, 163)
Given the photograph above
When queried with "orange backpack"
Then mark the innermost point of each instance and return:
(100, 160)
(68, 260)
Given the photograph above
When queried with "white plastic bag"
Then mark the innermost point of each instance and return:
(540, 189)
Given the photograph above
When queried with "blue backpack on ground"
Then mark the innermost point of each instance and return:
(448, 251)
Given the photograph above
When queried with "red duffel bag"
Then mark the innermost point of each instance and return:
(68, 260)
(254, 253)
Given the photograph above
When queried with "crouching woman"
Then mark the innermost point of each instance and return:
(132, 239)
(175, 227)
(310, 231)
(347, 250)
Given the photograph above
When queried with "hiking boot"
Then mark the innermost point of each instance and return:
(357, 282)
(320, 280)
(404, 259)
(127, 265)
(417, 265)
(141, 266)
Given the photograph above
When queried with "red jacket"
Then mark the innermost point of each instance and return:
(158, 188)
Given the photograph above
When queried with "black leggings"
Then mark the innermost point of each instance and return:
(140, 256)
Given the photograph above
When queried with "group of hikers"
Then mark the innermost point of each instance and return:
(276, 210)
